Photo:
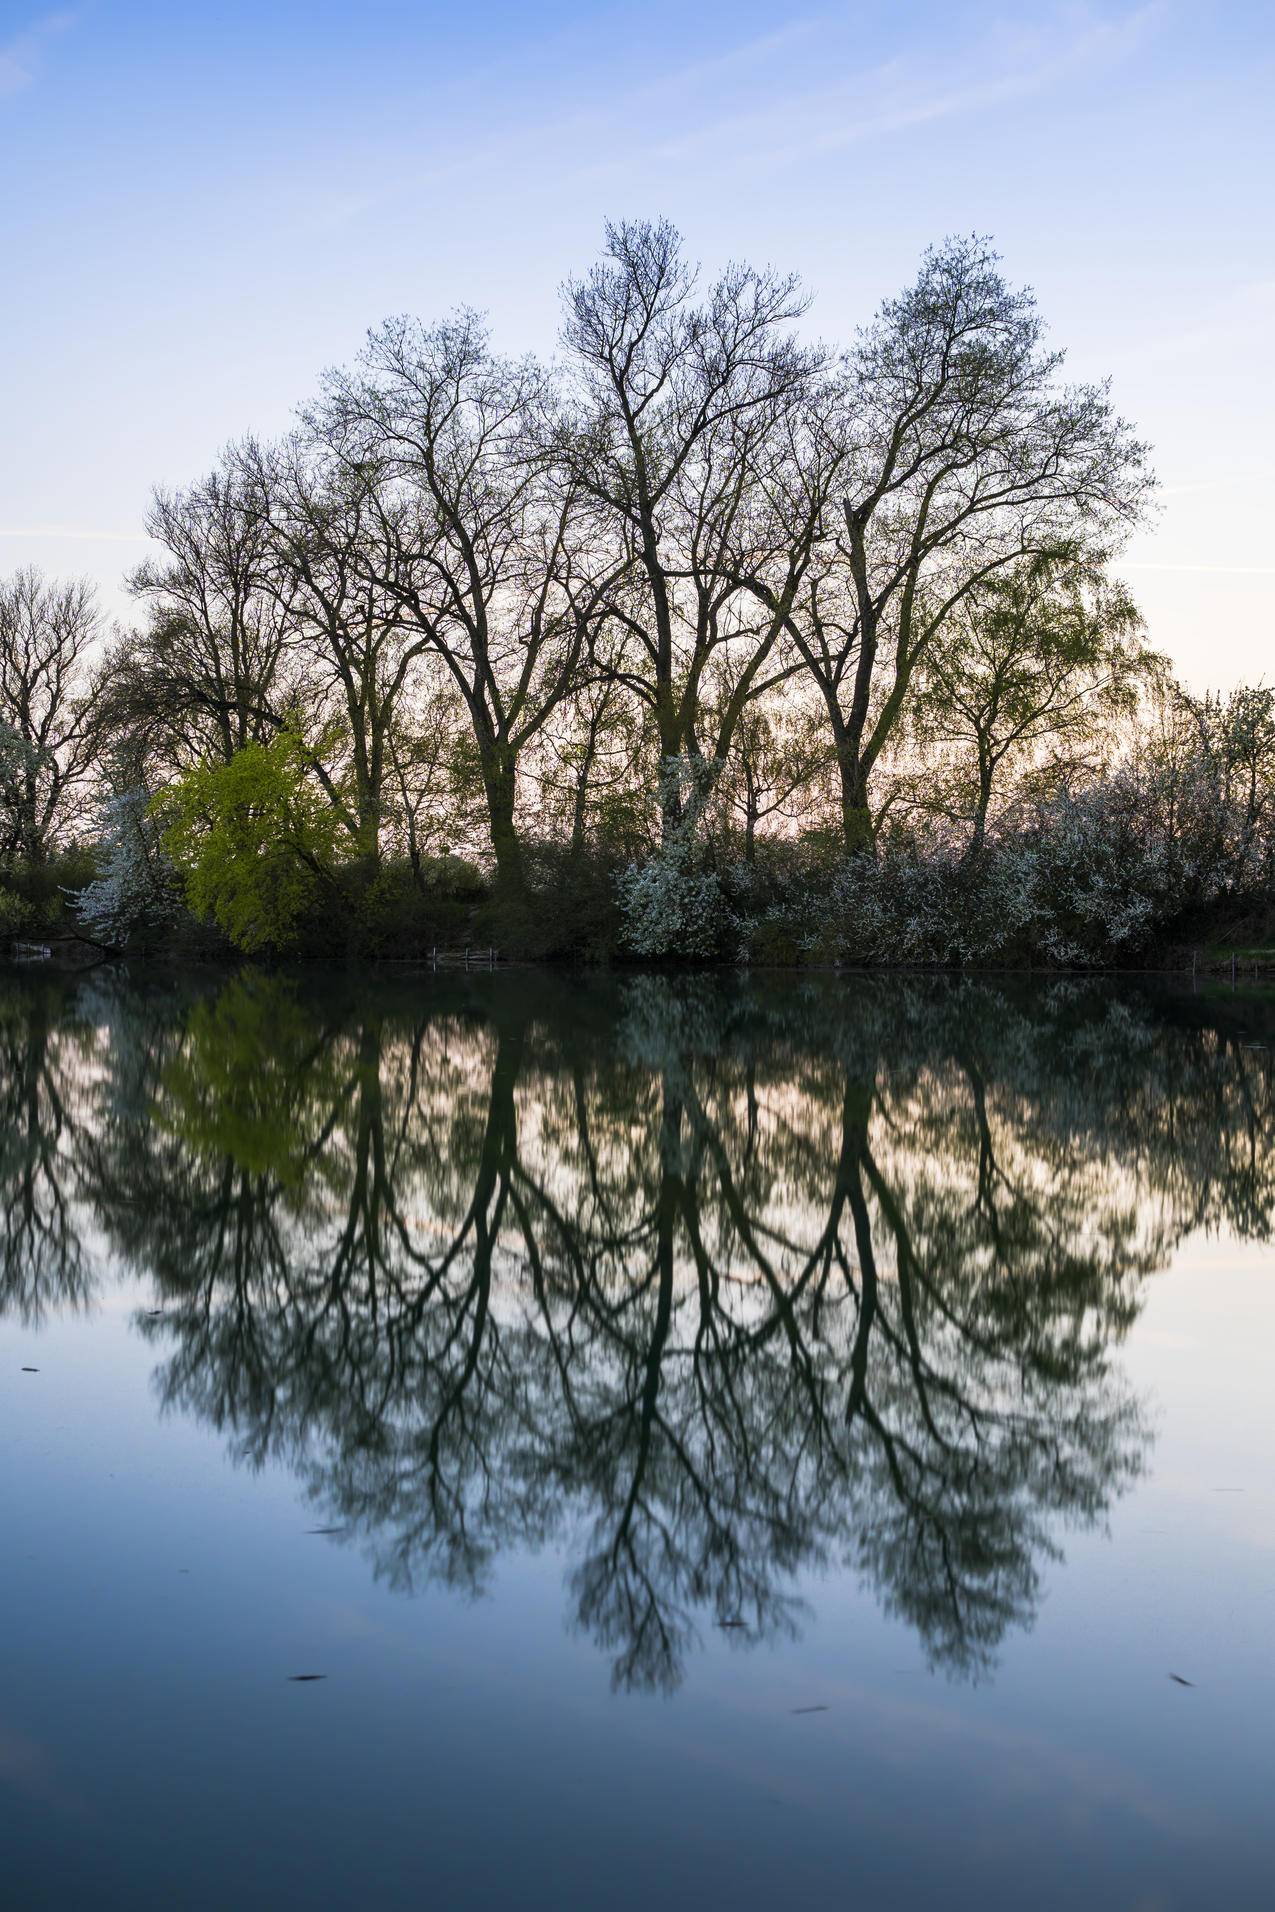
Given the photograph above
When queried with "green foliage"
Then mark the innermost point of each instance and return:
(254, 841)
(34, 898)
(453, 876)
(405, 911)
(16, 915)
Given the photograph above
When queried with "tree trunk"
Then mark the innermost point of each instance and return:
(368, 778)
(499, 767)
(982, 805)
(672, 767)
(580, 806)
(856, 817)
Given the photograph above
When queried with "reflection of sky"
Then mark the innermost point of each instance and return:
(205, 204)
(149, 1735)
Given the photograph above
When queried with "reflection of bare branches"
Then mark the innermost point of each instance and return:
(763, 1281)
(42, 1258)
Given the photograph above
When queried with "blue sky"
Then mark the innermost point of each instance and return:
(202, 205)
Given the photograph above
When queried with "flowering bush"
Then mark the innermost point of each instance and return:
(671, 910)
(674, 904)
(1100, 878)
(1089, 881)
(136, 893)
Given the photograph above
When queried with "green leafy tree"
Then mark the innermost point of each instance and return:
(254, 841)
(1032, 670)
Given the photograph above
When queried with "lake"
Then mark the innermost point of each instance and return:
(556, 1441)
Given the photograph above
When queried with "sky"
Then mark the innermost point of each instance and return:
(203, 205)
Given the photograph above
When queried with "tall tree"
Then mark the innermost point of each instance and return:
(330, 554)
(779, 760)
(205, 675)
(481, 554)
(687, 420)
(965, 454)
(48, 718)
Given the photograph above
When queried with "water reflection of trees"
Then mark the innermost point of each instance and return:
(709, 1284)
(43, 1262)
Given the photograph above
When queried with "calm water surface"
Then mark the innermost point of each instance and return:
(720, 1443)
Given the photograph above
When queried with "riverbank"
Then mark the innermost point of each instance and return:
(1237, 963)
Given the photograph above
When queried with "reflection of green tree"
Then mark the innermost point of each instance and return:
(778, 1278)
(247, 1084)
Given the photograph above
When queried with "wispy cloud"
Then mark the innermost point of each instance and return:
(779, 100)
(72, 532)
(20, 56)
(798, 118)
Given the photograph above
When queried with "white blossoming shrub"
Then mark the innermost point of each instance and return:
(670, 910)
(1089, 882)
(137, 892)
(905, 908)
(674, 904)
(1101, 877)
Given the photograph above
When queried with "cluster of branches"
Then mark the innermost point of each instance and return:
(50, 731)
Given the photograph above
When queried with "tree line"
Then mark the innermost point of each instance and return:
(702, 639)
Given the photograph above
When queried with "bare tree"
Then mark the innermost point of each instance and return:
(480, 554)
(48, 719)
(329, 554)
(964, 455)
(206, 675)
(594, 769)
(683, 441)
(779, 758)
(425, 811)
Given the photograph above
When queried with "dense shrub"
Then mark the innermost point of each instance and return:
(406, 910)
